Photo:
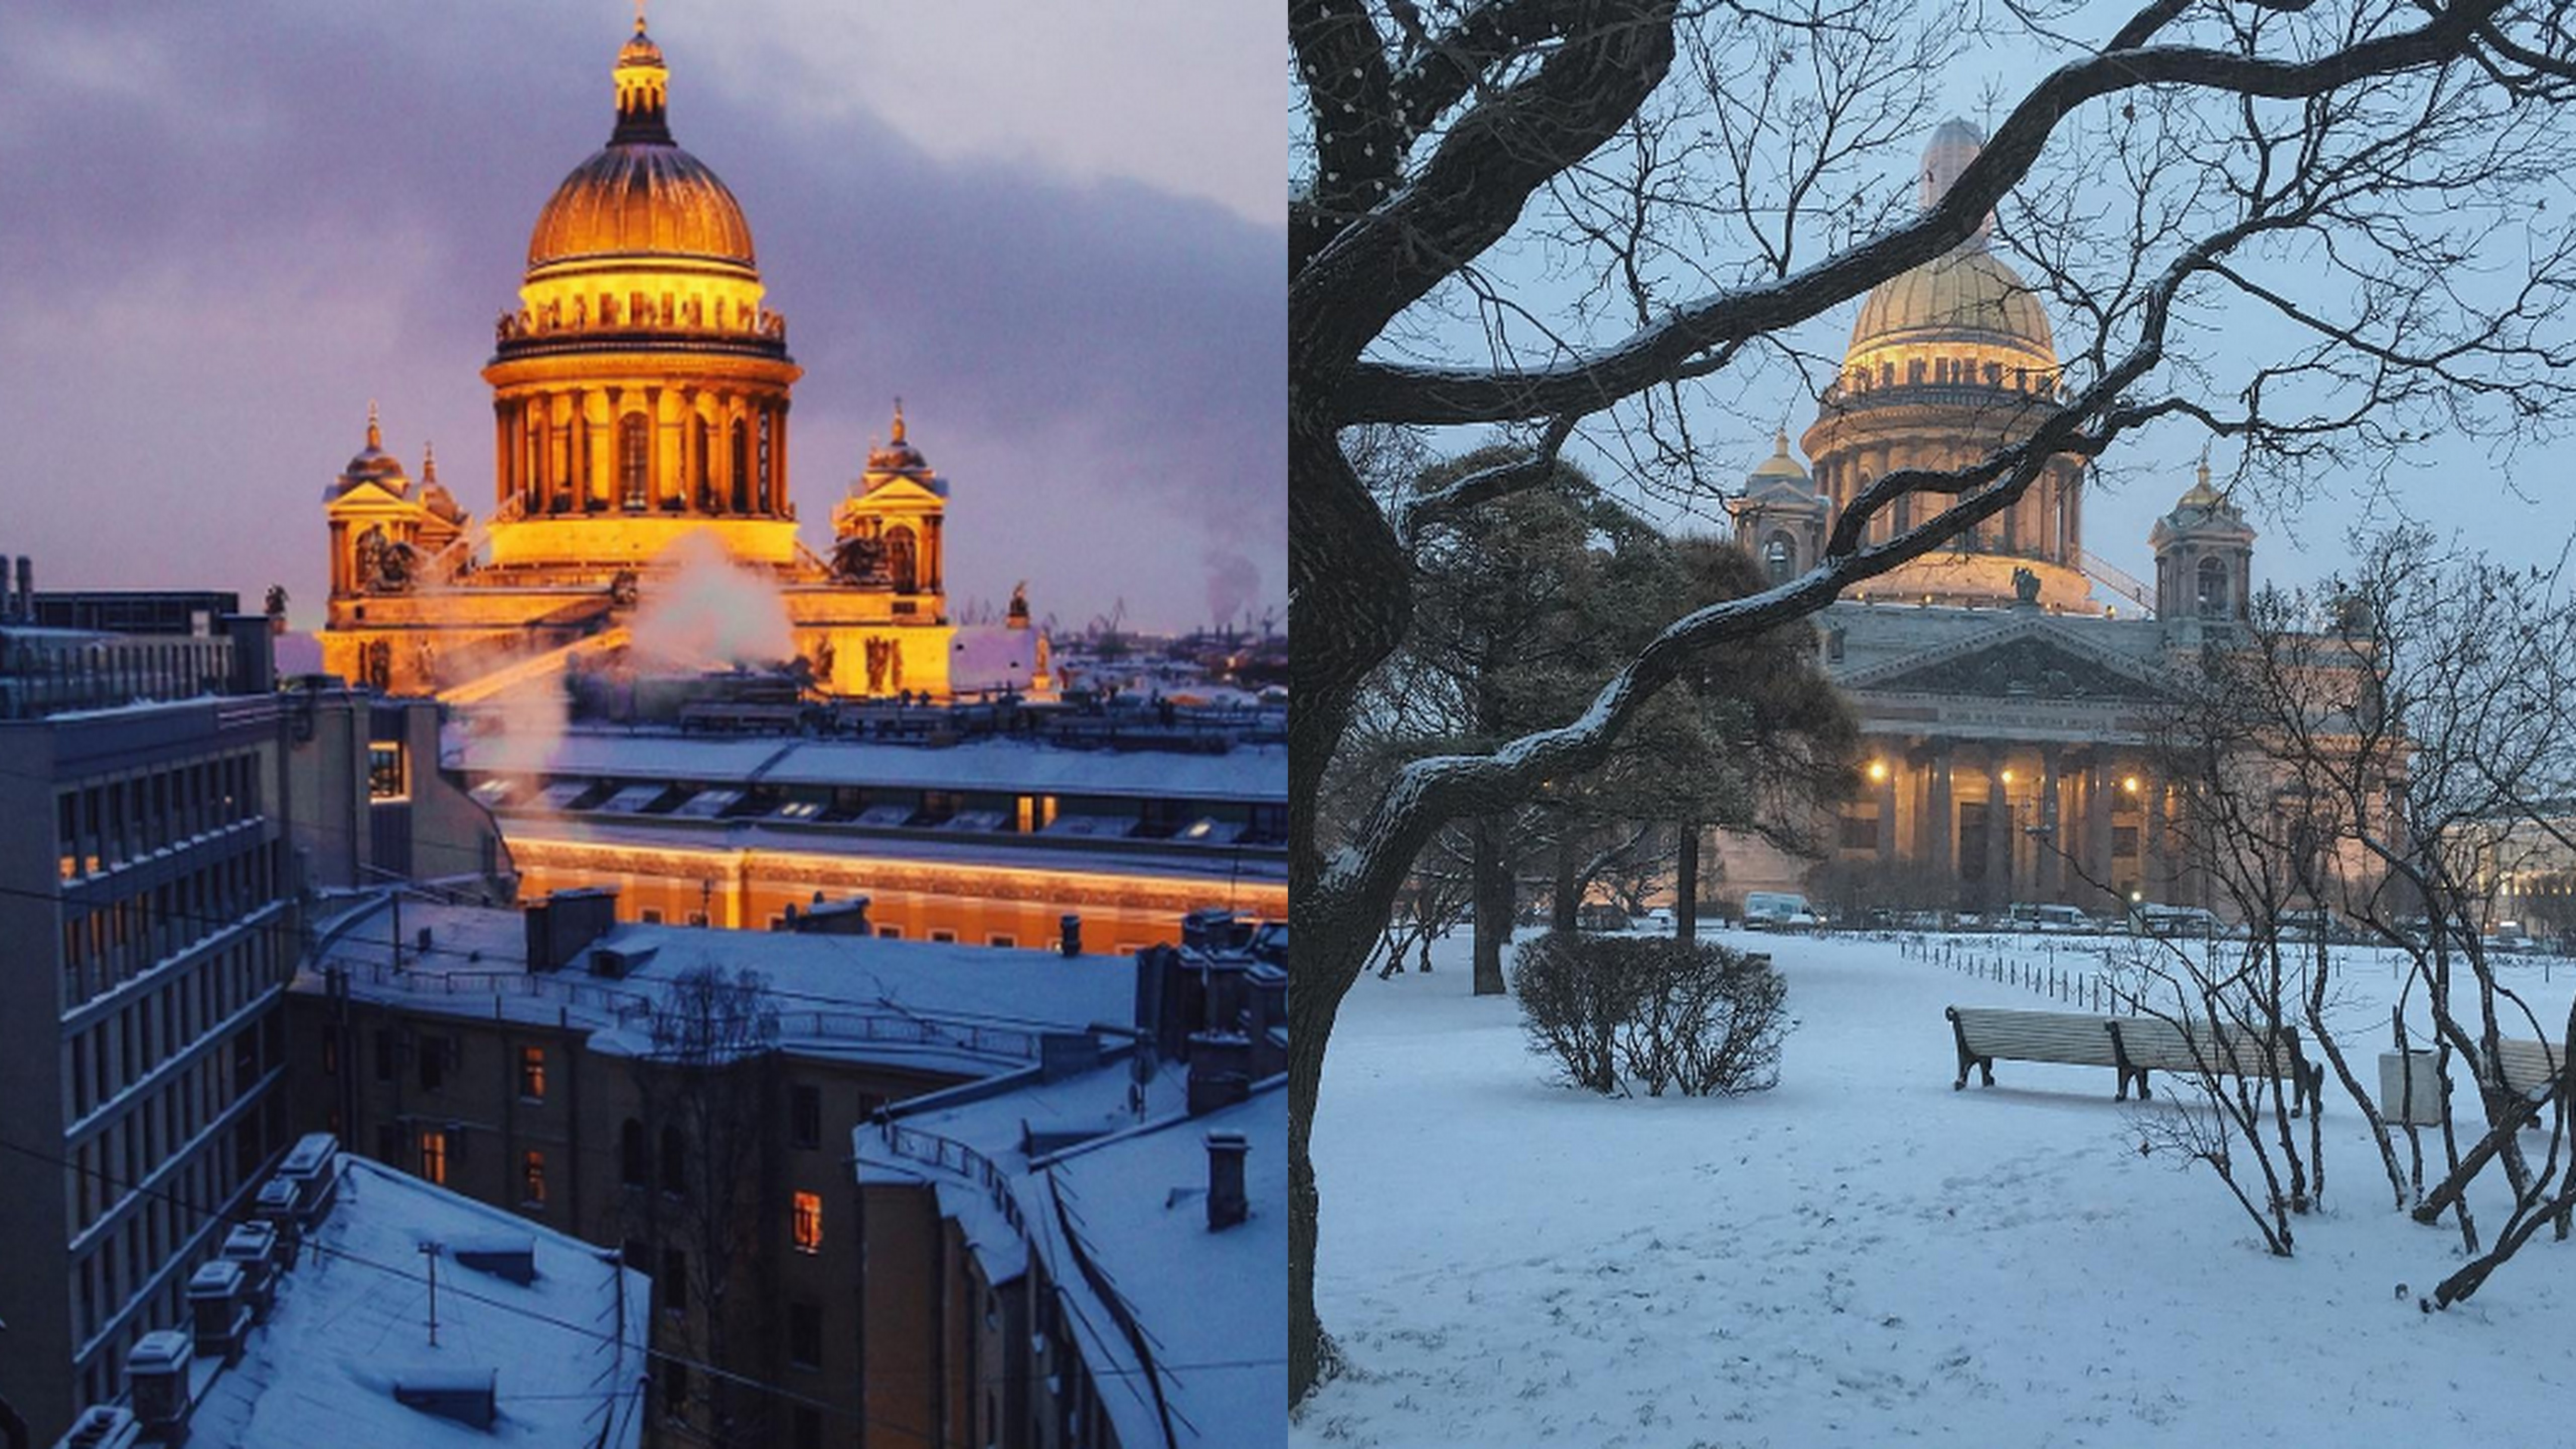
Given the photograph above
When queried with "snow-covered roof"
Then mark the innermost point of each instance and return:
(930, 1006)
(352, 1321)
(1073, 1169)
(1211, 1303)
(1000, 766)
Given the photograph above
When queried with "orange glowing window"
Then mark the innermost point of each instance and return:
(808, 1223)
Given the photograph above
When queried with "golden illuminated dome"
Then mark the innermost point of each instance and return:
(1780, 464)
(1957, 315)
(1971, 295)
(640, 198)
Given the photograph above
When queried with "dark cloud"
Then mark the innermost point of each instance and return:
(228, 229)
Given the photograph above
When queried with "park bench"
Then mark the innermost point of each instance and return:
(2528, 1067)
(2132, 1046)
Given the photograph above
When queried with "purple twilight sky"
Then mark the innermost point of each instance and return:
(1055, 231)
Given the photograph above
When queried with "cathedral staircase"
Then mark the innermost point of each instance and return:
(2101, 571)
(532, 668)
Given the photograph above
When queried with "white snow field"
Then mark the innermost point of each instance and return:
(1862, 1256)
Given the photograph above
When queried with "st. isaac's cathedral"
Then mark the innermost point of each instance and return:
(640, 394)
(2005, 714)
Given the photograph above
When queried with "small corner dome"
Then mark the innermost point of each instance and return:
(1782, 464)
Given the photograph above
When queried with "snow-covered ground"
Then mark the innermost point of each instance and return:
(1863, 1256)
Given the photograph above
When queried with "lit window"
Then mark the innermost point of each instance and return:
(532, 1180)
(532, 1073)
(433, 1156)
(388, 775)
(809, 1222)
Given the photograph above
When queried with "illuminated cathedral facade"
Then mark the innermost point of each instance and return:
(2007, 717)
(641, 388)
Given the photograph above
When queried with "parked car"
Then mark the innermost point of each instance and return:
(2054, 919)
(2190, 922)
(1778, 911)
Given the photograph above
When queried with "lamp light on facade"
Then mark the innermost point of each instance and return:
(2130, 784)
(1878, 769)
(2007, 777)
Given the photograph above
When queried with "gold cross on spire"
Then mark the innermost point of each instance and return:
(639, 17)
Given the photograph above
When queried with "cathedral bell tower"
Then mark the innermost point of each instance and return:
(2204, 565)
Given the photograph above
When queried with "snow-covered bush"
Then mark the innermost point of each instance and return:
(1620, 1012)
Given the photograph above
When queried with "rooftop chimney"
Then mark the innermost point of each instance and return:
(1070, 943)
(103, 1426)
(1220, 1070)
(564, 923)
(156, 1373)
(216, 1308)
(26, 588)
(1225, 1200)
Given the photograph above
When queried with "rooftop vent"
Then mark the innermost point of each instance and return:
(470, 1396)
(503, 1256)
(1226, 1205)
(615, 963)
(156, 1373)
(1070, 940)
(1062, 1054)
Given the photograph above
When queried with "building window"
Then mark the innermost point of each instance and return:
(631, 1168)
(388, 772)
(2212, 600)
(889, 933)
(809, 1427)
(633, 455)
(943, 938)
(675, 1177)
(1007, 943)
(532, 1073)
(532, 1180)
(433, 1156)
(808, 1223)
(2124, 840)
(650, 915)
(675, 1389)
(1860, 832)
(674, 1282)
(805, 1116)
(805, 1334)
(433, 1063)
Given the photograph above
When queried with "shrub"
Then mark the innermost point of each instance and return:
(1620, 1012)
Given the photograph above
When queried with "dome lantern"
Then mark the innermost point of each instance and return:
(643, 85)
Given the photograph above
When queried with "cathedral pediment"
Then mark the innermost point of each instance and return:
(368, 497)
(2026, 662)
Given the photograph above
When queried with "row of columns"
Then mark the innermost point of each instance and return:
(2047, 523)
(555, 458)
(2074, 796)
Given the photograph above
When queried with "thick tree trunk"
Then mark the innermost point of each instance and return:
(1495, 903)
(1686, 884)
